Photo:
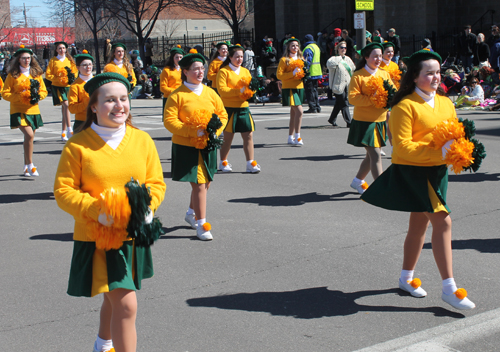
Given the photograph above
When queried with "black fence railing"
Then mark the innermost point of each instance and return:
(445, 45)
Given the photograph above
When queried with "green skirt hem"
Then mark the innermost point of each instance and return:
(64, 91)
(185, 163)
(362, 133)
(35, 121)
(240, 120)
(298, 96)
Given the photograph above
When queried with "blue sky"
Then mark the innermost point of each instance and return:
(35, 9)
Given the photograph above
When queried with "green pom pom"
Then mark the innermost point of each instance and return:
(389, 88)
(140, 200)
(213, 141)
(254, 84)
(479, 153)
(469, 127)
(71, 76)
(34, 91)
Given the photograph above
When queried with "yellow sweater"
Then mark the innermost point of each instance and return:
(285, 75)
(213, 69)
(1, 85)
(412, 122)
(53, 68)
(88, 166)
(11, 90)
(112, 67)
(392, 65)
(227, 80)
(170, 80)
(78, 100)
(182, 103)
(364, 109)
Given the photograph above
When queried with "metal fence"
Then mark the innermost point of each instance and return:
(445, 45)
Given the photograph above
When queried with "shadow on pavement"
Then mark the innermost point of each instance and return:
(18, 198)
(162, 138)
(51, 152)
(490, 245)
(62, 237)
(298, 199)
(326, 157)
(489, 132)
(309, 303)
(474, 177)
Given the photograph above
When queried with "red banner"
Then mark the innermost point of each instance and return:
(39, 36)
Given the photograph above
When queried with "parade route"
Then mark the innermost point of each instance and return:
(298, 262)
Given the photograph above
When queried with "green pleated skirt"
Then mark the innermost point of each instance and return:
(59, 94)
(94, 271)
(367, 134)
(22, 120)
(193, 165)
(410, 189)
(240, 120)
(292, 97)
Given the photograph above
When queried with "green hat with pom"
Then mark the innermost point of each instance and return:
(103, 78)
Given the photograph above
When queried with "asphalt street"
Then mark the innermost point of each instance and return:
(298, 261)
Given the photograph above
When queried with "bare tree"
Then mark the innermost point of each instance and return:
(140, 16)
(233, 12)
(63, 16)
(168, 25)
(112, 29)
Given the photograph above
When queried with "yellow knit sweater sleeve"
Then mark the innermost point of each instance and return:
(412, 122)
(213, 69)
(11, 93)
(78, 100)
(174, 117)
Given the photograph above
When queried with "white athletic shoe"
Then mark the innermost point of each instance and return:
(253, 167)
(203, 232)
(224, 166)
(409, 287)
(458, 300)
(64, 137)
(290, 140)
(361, 187)
(298, 142)
(191, 220)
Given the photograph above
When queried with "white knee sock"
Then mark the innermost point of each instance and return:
(201, 222)
(406, 275)
(103, 345)
(297, 136)
(449, 286)
(190, 211)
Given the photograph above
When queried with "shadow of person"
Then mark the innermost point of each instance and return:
(19, 198)
(62, 237)
(309, 303)
(295, 200)
(489, 245)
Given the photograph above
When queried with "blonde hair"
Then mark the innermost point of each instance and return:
(287, 53)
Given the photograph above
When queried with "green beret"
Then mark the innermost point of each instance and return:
(56, 44)
(219, 44)
(371, 47)
(121, 45)
(387, 44)
(23, 50)
(103, 78)
(292, 39)
(80, 57)
(177, 50)
(423, 55)
(376, 39)
(236, 46)
(188, 59)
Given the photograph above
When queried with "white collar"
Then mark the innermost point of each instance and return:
(386, 62)
(235, 69)
(61, 58)
(86, 78)
(293, 56)
(222, 58)
(24, 71)
(195, 88)
(118, 63)
(177, 67)
(428, 98)
(370, 71)
(112, 136)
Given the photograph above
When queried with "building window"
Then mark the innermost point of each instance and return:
(195, 28)
(204, 28)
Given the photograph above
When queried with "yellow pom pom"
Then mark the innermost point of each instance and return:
(254, 163)
(224, 163)
(292, 37)
(21, 46)
(193, 51)
(461, 293)
(364, 185)
(238, 44)
(85, 51)
(416, 283)
(207, 226)
(178, 46)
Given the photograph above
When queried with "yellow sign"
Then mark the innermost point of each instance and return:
(365, 5)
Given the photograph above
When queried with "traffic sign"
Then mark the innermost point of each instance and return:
(359, 20)
(365, 5)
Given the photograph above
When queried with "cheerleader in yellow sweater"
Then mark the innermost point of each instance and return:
(24, 110)
(232, 83)
(62, 72)
(119, 63)
(213, 68)
(292, 93)
(417, 180)
(106, 154)
(191, 163)
(78, 97)
(368, 123)
(170, 78)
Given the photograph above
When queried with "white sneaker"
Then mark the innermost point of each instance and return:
(64, 137)
(360, 187)
(382, 152)
(26, 171)
(224, 166)
(253, 167)
(290, 140)
(191, 220)
(409, 287)
(298, 142)
(33, 171)
(203, 232)
(458, 300)
(69, 134)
